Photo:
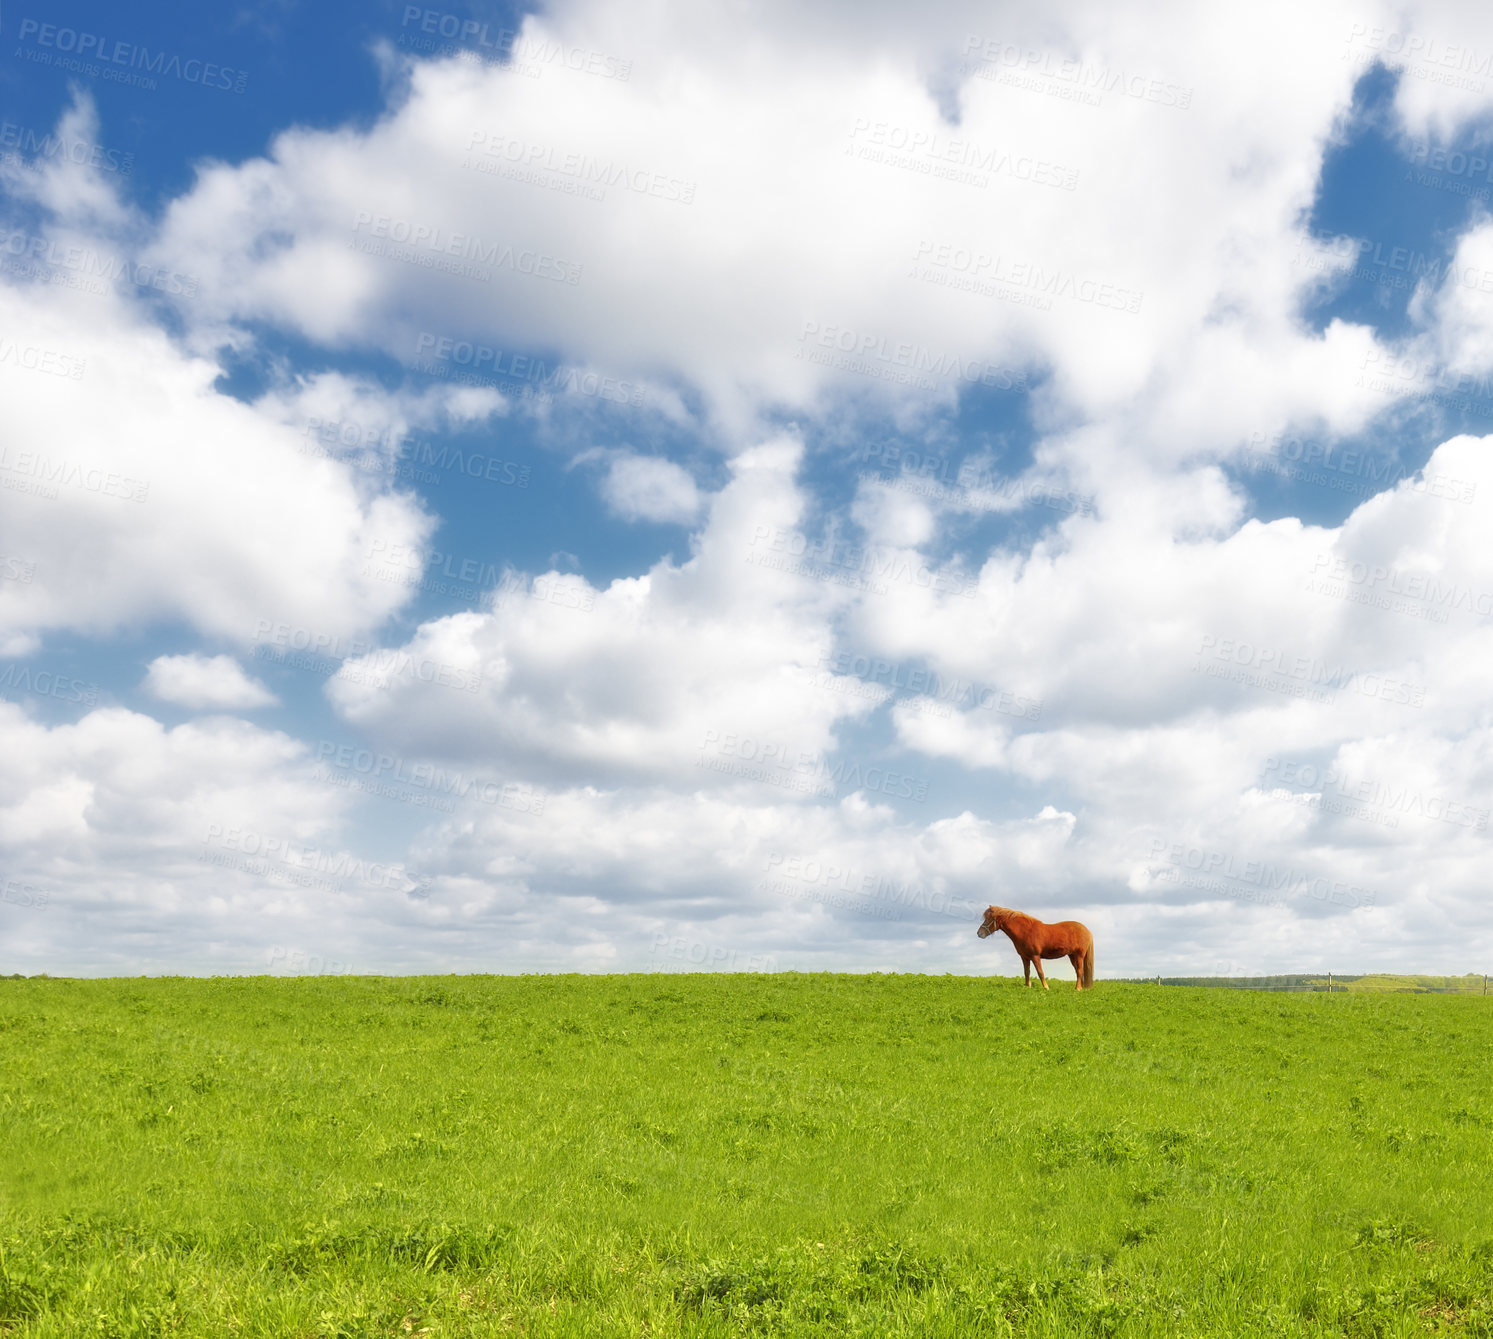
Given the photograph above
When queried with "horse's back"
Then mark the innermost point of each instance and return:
(1074, 934)
(1050, 939)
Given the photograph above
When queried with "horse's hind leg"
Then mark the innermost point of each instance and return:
(1076, 958)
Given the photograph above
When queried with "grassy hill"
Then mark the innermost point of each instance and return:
(722, 1155)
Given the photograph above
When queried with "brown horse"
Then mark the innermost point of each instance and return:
(1036, 940)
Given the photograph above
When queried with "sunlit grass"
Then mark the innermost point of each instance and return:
(711, 1155)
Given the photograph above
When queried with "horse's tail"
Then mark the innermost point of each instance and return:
(1088, 965)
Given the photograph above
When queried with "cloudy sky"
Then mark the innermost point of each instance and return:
(652, 485)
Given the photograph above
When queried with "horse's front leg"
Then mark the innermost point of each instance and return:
(1027, 963)
(1041, 975)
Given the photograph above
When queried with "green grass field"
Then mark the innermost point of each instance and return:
(1376, 983)
(713, 1155)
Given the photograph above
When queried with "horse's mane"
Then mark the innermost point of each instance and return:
(1011, 915)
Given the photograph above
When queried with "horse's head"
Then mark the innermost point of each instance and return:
(995, 919)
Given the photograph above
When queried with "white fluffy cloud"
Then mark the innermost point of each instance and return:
(133, 488)
(687, 671)
(130, 847)
(669, 881)
(205, 682)
(904, 212)
(1441, 53)
(140, 493)
(648, 488)
(1461, 309)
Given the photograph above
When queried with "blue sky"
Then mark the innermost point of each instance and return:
(496, 489)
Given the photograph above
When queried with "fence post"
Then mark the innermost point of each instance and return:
(1329, 983)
